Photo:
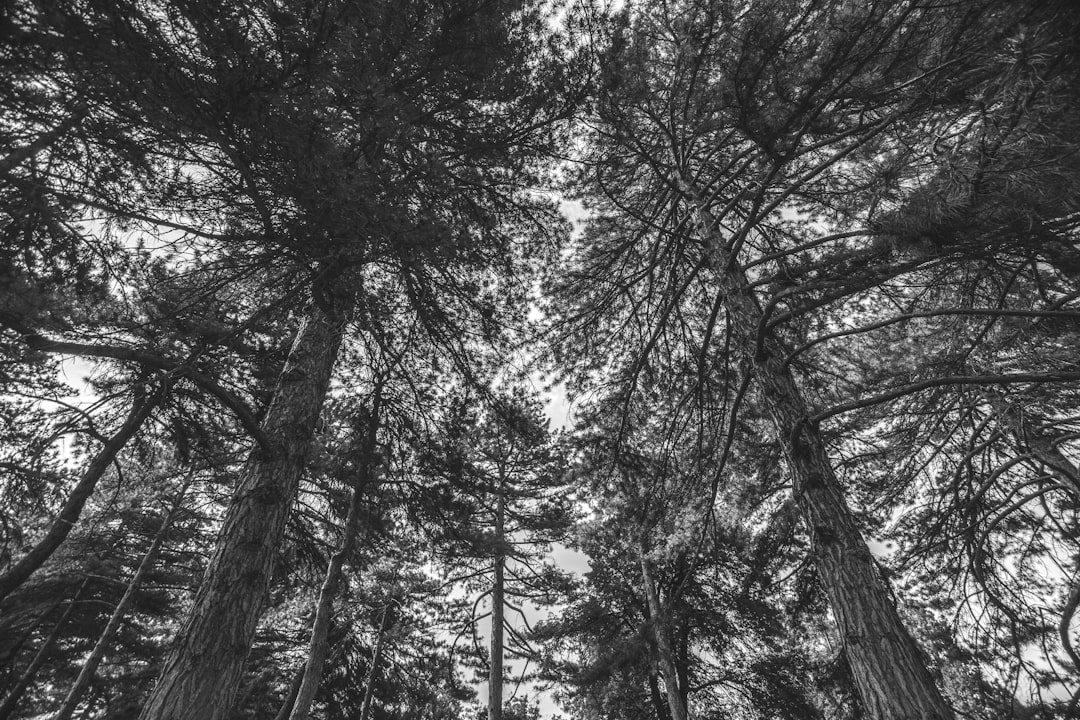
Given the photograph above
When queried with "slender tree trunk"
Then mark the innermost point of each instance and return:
(495, 677)
(90, 666)
(888, 667)
(290, 697)
(665, 653)
(320, 627)
(659, 707)
(73, 507)
(16, 693)
(369, 679)
(682, 664)
(205, 666)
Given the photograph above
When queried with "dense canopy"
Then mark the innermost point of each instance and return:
(667, 360)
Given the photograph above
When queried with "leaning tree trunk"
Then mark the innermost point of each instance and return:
(15, 694)
(73, 506)
(290, 697)
(90, 666)
(665, 653)
(205, 666)
(888, 668)
(376, 655)
(320, 627)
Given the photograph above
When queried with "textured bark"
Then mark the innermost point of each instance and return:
(320, 627)
(73, 507)
(888, 668)
(90, 666)
(665, 654)
(16, 692)
(495, 677)
(205, 666)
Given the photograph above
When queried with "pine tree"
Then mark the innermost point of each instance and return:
(737, 176)
(503, 470)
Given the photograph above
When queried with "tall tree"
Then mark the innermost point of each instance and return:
(666, 601)
(326, 143)
(746, 154)
(501, 470)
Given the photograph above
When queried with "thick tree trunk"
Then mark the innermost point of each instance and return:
(495, 677)
(320, 628)
(888, 667)
(665, 653)
(204, 668)
(20, 687)
(90, 666)
(73, 507)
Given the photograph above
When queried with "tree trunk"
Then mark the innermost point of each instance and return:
(90, 666)
(205, 666)
(665, 654)
(369, 680)
(495, 677)
(682, 664)
(320, 627)
(290, 697)
(659, 707)
(73, 507)
(16, 693)
(889, 671)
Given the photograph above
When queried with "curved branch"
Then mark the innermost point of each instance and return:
(1002, 379)
(69, 514)
(19, 155)
(36, 341)
(1063, 627)
(925, 314)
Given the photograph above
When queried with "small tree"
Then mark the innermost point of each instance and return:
(502, 471)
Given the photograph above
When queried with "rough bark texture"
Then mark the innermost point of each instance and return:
(90, 666)
(73, 507)
(320, 628)
(888, 668)
(204, 668)
(495, 678)
(666, 656)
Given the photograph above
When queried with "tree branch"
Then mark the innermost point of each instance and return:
(1003, 379)
(36, 341)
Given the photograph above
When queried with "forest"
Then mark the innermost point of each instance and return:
(518, 359)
